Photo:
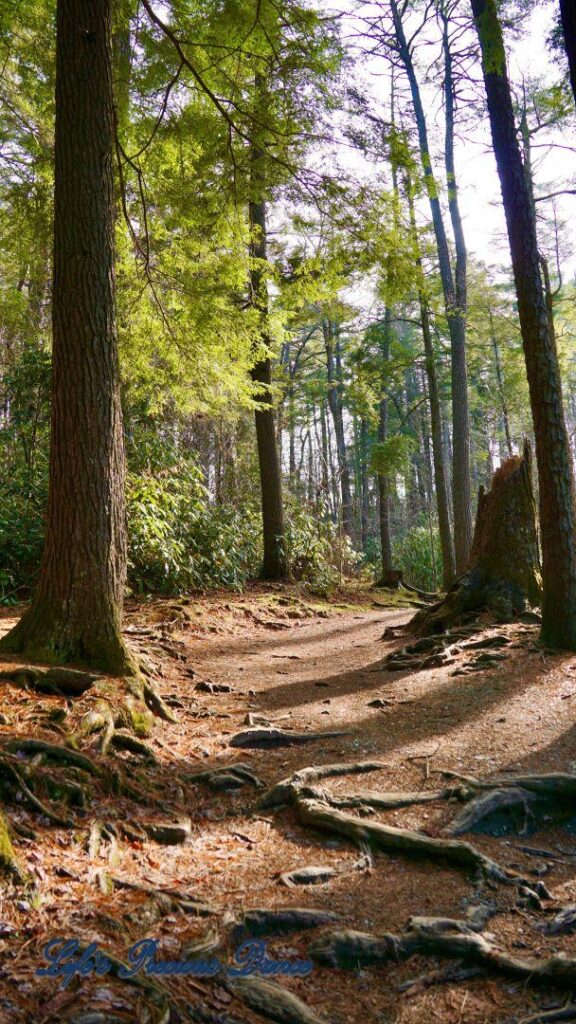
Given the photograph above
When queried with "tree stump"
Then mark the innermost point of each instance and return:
(503, 575)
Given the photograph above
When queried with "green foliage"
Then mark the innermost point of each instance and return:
(419, 556)
(391, 457)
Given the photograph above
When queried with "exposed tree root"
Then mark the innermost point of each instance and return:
(228, 777)
(264, 738)
(9, 864)
(64, 682)
(551, 1016)
(384, 801)
(181, 900)
(261, 922)
(53, 752)
(439, 937)
(283, 792)
(271, 1000)
(10, 772)
(528, 799)
(448, 975)
(388, 837)
(321, 874)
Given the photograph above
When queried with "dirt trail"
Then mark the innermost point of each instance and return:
(303, 667)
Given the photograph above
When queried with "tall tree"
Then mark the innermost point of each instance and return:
(75, 613)
(453, 290)
(554, 459)
(274, 560)
(568, 16)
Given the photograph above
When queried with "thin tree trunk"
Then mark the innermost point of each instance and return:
(455, 315)
(500, 379)
(440, 475)
(76, 610)
(568, 15)
(383, 483)
(555, 472)
(460, 407)
(333, 367)
(274, 560)
(364, 483)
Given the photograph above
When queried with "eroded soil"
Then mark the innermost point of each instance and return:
(303, 665)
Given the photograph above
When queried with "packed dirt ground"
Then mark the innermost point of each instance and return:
(226, 663)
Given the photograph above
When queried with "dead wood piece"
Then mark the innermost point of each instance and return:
(503, 574)
(283, 791)
(260, 921)
(264, 738)
(168, 833)
(205, 687)
(311, 875)
(271, 1000)
(63, 682)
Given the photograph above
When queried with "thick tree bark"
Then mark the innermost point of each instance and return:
(555, 472)
(333, 367)
(568, 15)
(274, 560)
(76, 610)
(504, 570)
(455, 313)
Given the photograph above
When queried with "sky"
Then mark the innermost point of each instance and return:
(480, 197)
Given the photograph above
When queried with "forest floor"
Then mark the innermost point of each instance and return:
(302, 664)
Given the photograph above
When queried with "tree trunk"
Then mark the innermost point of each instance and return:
(76, 611)
(555, 473)
(388, 573)
(274, 560)
(364, 482)
(568, 15)
(504, 570)
(440, 475)
(335, 405)
(500, 380)
(455, 314)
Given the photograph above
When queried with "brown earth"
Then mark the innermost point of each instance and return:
(304, 665)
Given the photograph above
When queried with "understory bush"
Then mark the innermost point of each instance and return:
(419, 556)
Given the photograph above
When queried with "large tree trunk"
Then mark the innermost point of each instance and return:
(555, 473)
(504, 570)
(274, 560)
(568, 15)
(76, 610)
(455, 313)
